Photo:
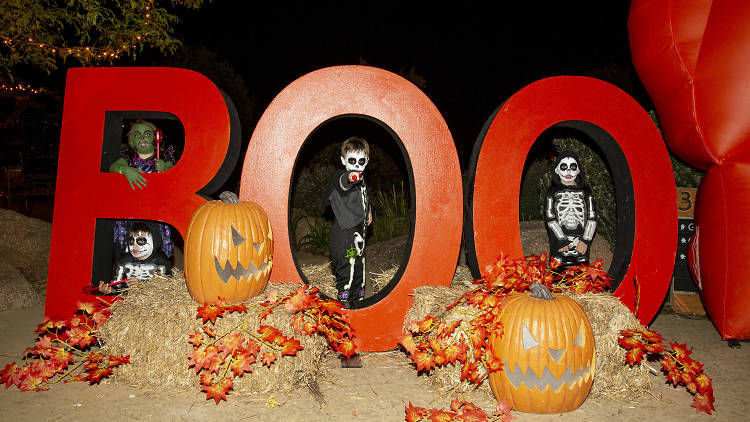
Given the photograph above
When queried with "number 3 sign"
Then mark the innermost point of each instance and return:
(636, 154)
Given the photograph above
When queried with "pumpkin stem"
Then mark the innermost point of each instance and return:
(540, 291)
(228, 197)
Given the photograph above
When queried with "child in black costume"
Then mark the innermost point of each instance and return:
(569, 212)
(143, 260)
(347, 197)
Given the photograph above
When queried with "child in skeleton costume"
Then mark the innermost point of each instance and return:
(569, 212)
(140, 156)
(143, 260)
(347, 197)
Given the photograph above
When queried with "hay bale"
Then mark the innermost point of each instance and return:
(614, 379)
(152, 326)
(17, 292)
(30, 239)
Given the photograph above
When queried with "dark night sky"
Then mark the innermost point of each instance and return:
(472, 57)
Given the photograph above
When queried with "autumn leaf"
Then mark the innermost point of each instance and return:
(455, 352)
(347, 348)
(209, 312)
(202, 359)
(80, 336)
(413, 414)
(438, 415)
(703, 403)
(218, 391)
(196, 339)
(290, 347)
(425, 325)
(629, 342)
(96, 375)
(117, 360)
(268, 358)
(681, 352)
(703, 382)
(423, 360)
(242, 363)
(30, 382)
(330, 307)
(268, 333)
(298, 300)
(229, 344)
(48, 324)
(634, 355)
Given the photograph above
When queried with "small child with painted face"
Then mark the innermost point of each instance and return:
(347, 197)
(143, 260)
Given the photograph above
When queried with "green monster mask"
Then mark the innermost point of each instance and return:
(141, 138)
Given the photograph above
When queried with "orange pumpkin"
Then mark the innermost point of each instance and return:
(228, 250)
(548, 353)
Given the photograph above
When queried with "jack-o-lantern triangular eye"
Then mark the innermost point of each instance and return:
(528, 339)
(579, 338)
(237, 238)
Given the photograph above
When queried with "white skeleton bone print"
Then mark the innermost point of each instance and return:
(570, 209)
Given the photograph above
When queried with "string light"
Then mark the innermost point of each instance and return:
(87, 52)
(20, 88)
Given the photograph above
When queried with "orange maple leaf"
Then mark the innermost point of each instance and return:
(331, 307)
(196, 339)
(704, 383)
(291, 346)
(228, 345)
(268, 358)
(438, 415)
(97, 374)
(407, 341)
(634, 355)
(681, 352)
(242, 363)
(424, 360)
(209, 312)
(80, 336)
(413, 414)
(218, 391)
(347, 348)
(703, 403)
(268, 333)
(299, 300)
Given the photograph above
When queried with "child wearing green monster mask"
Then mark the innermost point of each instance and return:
(144, 158)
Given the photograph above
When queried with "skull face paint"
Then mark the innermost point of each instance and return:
(141, 245)
(355, 161)
(568, 170)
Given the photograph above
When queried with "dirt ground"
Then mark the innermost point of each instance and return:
(376, 392)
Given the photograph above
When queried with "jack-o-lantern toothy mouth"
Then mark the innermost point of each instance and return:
(238, 272)
(547, 380)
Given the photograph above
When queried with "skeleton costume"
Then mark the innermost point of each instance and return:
(350, 206)
(569, 211)
(144, 258)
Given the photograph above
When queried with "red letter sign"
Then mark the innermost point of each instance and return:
(85, 193)
(321, 95)
(644, 184)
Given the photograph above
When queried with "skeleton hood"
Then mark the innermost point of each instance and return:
(580, 179)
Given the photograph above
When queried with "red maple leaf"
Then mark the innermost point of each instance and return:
(96, 375)
(7, 373)
(210, 312)
(650, 335)
(703, 382)
(202, 358)
(299, 300)
(347, 347)
(703, 403)
(252, 347)
(80, 336)
(218, 391)
(407, 341)
(629, 342)
(290, 347)
(413, 414)
(439, 415)
(30, 382)
(268, 358)
(47, 324)
(634, 355)
(270, 334)
(117, 360)
(209, 331)
(196, 339)
(101, 316)
(681, 353)
(424, 360)
(242, 363)
(456, 351)
(331, 307)
(668, 363)
(229, 344)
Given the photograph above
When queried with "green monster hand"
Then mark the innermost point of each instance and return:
(135, 179)
(162, 165)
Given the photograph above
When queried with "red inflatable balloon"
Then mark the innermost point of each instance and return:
(692, 56)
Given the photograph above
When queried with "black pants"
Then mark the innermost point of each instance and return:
(348, 256)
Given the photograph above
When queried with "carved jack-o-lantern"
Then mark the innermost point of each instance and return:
(548, 353)
(228, 250)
